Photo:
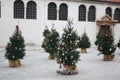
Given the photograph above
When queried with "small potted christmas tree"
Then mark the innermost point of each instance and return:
(67, 55)
(105, 43)
(15, 49)
(50, 43)
(84, 43)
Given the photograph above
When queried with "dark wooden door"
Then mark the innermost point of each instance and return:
(104, 29)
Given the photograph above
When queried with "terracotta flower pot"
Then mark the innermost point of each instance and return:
(83, 50)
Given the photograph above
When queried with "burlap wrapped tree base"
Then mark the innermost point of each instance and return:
(73, 68)
(51, 57)
(67, 72)
(108, 57)
(83, 50)
(71, 71)
(14, 63)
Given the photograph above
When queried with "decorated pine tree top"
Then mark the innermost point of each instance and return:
(15, 49)
(84, 41)
(67, 54)
(105, 43)
(69, 38)
(46, 32)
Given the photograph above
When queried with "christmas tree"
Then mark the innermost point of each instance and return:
(45, 35)
(50, 43)
(84, 43)
(67, 54)
(105, 43)
(118, 44)
(15, 49)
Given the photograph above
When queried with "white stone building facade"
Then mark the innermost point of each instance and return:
(32, 29)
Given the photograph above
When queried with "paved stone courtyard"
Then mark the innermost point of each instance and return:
(36, 66)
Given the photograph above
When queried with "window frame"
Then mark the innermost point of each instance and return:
(63, 11)
(82, 13)
(108, 11)
(19, 9)
(92, 14)
(52, 11)
(31, 10)
(117, 14)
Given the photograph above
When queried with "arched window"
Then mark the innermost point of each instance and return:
(92, 14)
(82, 13)
(18, 9)
(31, 10)
(109, 11)
(52, 11)
(117, 14)
(63, 12)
